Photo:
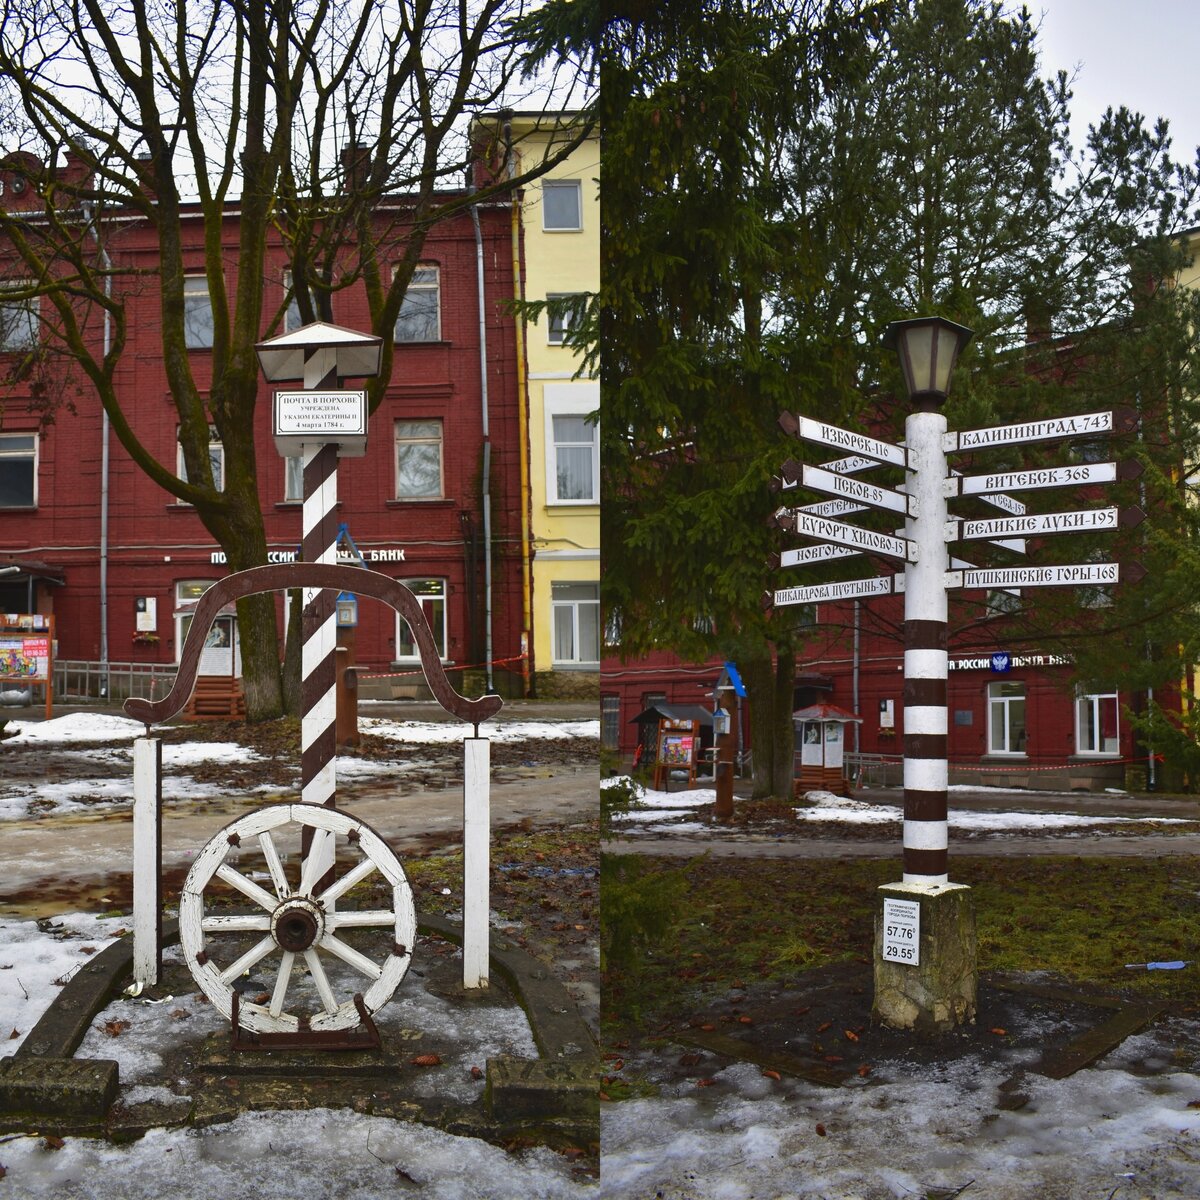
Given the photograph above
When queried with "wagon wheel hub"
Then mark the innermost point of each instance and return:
(296, 924)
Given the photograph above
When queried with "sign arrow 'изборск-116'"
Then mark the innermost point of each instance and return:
(1041, 524)
(1119, 420)
(849, 535)
(1043, 477)
(825, 434)
(847, 488)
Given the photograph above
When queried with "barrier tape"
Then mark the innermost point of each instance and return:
(416, 670)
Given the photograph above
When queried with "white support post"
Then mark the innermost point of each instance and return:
(476, 859)
(147, 860)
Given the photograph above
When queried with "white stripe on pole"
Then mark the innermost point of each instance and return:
(925, 719)
(925, 664)
(926, 835)
(147, 860)
(925, 774)
(476, 860)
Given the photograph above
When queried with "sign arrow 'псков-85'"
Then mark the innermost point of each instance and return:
(1119, 420)
(1044, 477)
(1041, 524)
(825, 434)
(847, 488)
(849, 535)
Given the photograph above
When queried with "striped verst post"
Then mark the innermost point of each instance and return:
(926, 831)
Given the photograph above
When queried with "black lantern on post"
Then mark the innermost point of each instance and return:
(928, 348)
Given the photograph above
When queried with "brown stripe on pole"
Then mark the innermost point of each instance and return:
(924, 692)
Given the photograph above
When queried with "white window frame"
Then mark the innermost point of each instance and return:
(21, 453)
(573, 606)
(398, 441)
(195, 290)
(1003, 702)
(558, 328)
(570, 400)
(25, 318)
(216, 456)
(439, 636)
(562, 185)
(423, 285)
(1093, 701)
(293, 479)
(183, 617)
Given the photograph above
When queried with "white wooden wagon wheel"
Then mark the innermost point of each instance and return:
(300, 922)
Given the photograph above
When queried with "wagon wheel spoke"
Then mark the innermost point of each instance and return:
(255, 954)
(274, 864)
(314, 863)
(367, 918)
(340, 887)
(321, 980)
(281, 983)
(360, 962)
(247, 887)
(237, 923)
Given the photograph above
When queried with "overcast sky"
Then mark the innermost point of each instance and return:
(1143, 55)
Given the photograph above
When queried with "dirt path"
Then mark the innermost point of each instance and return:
(87, 849)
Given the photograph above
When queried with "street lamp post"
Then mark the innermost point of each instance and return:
(925, 915)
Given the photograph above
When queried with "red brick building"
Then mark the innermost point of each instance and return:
(85, 535)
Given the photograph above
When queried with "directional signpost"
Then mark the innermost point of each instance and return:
(936, 988)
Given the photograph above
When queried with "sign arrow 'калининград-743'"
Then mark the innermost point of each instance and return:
(1120, 420)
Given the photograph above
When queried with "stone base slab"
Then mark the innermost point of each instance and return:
(938, 993)
(525, 1089)
(58, 1087)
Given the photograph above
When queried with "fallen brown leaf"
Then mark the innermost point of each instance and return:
(706, 1083)
(775, 1075)
(820, 1131)
(115, 1028)
(865, 1070)
(16, 1033)
(822, 1028)
(476, 1073)
(851, 1036)
(708, 1028)
(52, 1142)
(745, 1021)
(426, 1060)
(179, 1014)
(998, 1031)
(690, 1059)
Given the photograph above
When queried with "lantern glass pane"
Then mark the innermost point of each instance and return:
(920, 351)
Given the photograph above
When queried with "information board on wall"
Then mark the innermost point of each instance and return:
(902, 931)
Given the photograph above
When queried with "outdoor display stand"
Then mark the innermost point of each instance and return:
(678, 744)
(328, 933)
(27, 654)
(820, 748)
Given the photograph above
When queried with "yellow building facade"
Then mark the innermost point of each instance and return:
(561, 224)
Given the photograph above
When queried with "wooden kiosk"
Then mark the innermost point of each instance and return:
(821, 749)
(27, 653)
(678, 748)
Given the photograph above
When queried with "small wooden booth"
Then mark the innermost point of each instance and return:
(821, 748)
(678, 750)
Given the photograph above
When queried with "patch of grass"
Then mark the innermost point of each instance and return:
(1081, 920)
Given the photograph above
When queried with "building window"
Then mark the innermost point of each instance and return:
(419, 460)
(291, 314)
(562, 318)
(612, 627)
(562, 205)
(431, 595)
(419, 319)
(575, 614)
(1006, 718)
(18, 470)
(610, 722)
(1002, 603)
(293, 478)
(1096, 724)
(18, 321)
(216, 461)
(197, 313)
(576, 454)
(187, 593)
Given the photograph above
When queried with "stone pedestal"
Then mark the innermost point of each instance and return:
(937, 993)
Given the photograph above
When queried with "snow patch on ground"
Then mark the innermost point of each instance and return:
(438, 732)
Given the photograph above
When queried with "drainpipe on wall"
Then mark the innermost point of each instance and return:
(486, 483)
(522, 425)
(105, 264)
